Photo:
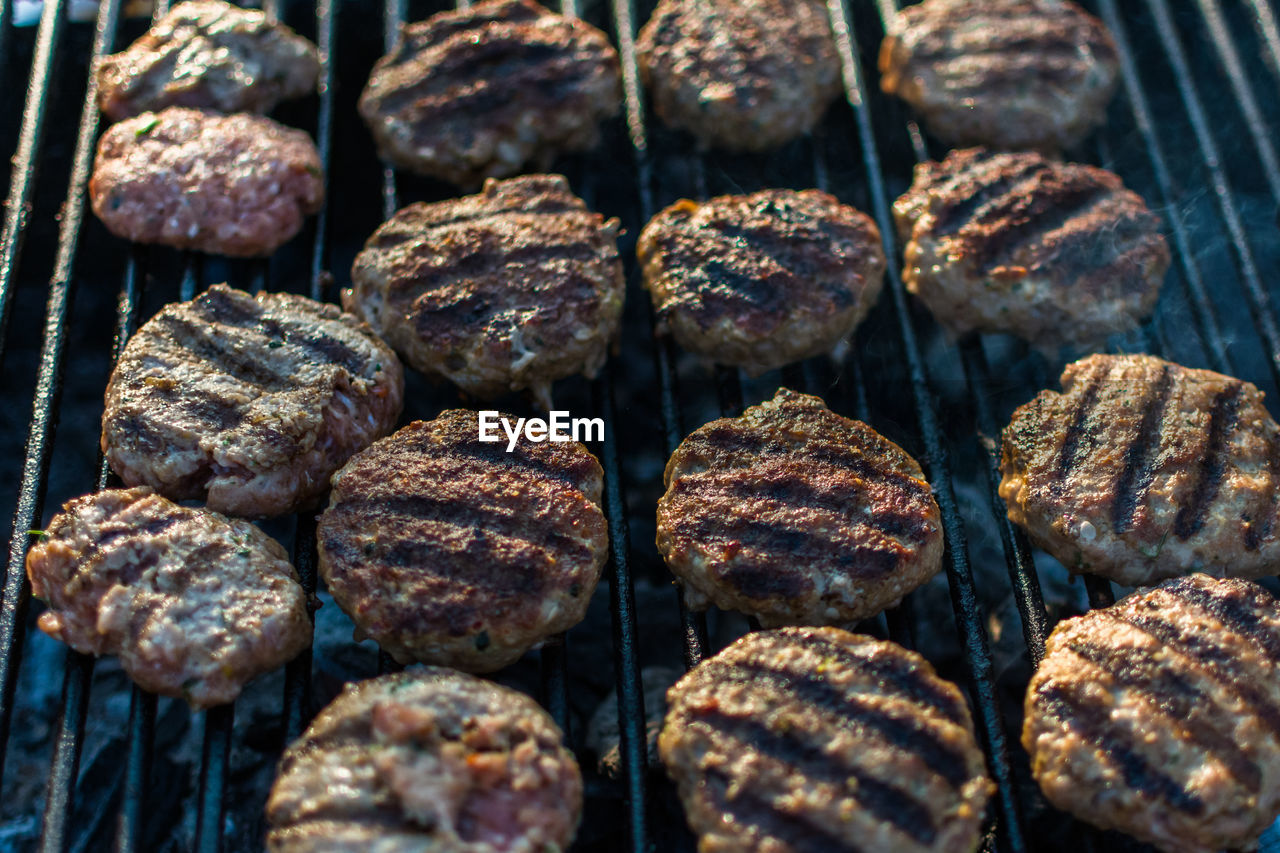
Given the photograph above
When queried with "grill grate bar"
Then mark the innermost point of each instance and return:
(215, 754)
(137, 771)
(968, 611)
(1268, 30)
(26, 161)
(76, 677)
(394, 13)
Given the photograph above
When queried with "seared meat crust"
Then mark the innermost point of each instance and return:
(1013, 74)
(1160, 716)
(236, 185)
(480, 92)
(762, 280)
(448, 550)
(194, 603)
(1052, 252)
(248, 403)
(796, 515)
(429, 759)
(507, 290)
(210, 55)
(1142, 469)
(745, 75)
(815, 740)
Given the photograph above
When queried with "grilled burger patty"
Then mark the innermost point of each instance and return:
(247, 403)
(481, 92)
(428, 759)
(815, 740)
(194, 603)
(740, 74)
(796, 515)
(1160, 716)
(1052, 252)
(211, 55)
(1142, 469)
(449, 550)
(502, 291)
(237, 185)
(1009, 73)
(761, 280)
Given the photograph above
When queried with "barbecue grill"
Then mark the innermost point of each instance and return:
(90, 763)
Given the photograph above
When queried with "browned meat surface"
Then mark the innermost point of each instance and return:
(1052, 252)
(210, 55)
(1142, 470)
(796, 515)
(426, 760)
(740, 74)
(194, 603)
(507, 290)
(815, 740)
(1008, 73)
(761, 280)
(1160, 716)
(484, 91)
(249, 404)
(237, 185)
(452, 551)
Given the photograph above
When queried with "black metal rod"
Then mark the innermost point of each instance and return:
(393, 17)
(1268, 30)
(65, 767)
(137, 772)
(297, 673)
(326, 43)
(215, 757)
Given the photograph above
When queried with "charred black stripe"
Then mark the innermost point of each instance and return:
(1223, 420)
(1088, 253)
(521, 459)
(918, 736)
(1090, 718)
(197, 403)
(1141, 455)
(1021, 219)
(221, 350)
(1178, 698)
(955, 212)
(749, 809)
(885, 802)
(1071, 455)
(324, 348)
(1238, 616)
(1260, 517)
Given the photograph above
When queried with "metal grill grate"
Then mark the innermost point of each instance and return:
(1210, 166)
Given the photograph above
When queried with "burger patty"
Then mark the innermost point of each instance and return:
(235, 185)
(1013, 74)
(796, 515)
(507, 290)
(740, 74)
(761, 280)
(815, 740)
(1142, 469)
(428, 759)
(1160, 716)
(480, 92)
(249, 404)
(210, 55)
(449, 550)
(194, 603)
(1052, 252)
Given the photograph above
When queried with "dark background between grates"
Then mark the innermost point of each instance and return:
(89, 763)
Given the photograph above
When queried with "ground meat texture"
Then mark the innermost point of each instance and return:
(815, 740)
(761, 280)
(129, 573)
(210, 55)
(449, 550)
(1160, 716)
(249, 404)
(1141, 469)
(795, 515)
(502, 291)
(1013, 74)
(236, 185)
(481, 92)
(1053, 252)
(740, 74)
(427, 759)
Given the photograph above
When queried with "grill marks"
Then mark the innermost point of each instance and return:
(1141, 456)
(1223, 421)
(747, 809)
(1078, 439)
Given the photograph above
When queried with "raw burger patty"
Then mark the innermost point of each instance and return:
(448, 550)
(815, 740)
(236, 185)
(194, 603)
(796, 515)
(426, 760)
(248, 403)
